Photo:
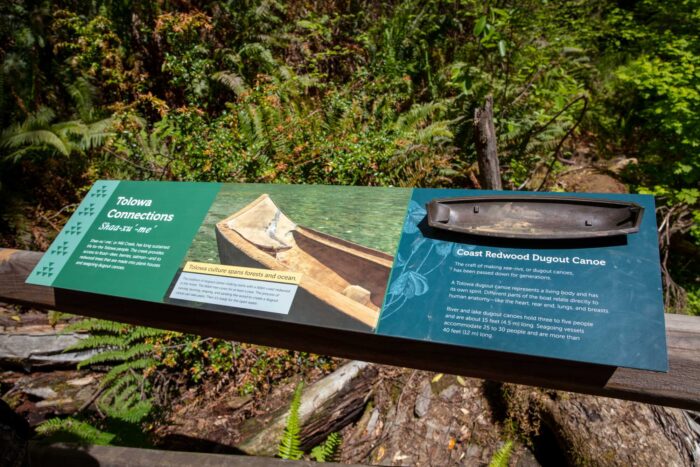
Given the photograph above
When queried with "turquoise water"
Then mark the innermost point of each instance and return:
(370, 216)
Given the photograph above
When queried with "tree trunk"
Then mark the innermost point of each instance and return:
(594, 430)
(486, 149)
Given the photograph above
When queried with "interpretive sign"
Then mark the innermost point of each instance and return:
(567, 276)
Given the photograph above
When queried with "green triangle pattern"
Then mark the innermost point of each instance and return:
(68, 239)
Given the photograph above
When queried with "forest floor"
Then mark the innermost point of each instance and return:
(408, 417)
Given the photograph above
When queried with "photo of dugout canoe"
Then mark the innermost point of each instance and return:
(338, 276)
(338, 242)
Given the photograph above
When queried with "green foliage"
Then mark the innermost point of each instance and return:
(502, 457)
(126, 389)
(290, 444)
(138, 359)
(253, 369)
(365, 93)
(657, 95)
(70, 430)
(37, 135)
(187, 58)
(92, 52)
(328, 450)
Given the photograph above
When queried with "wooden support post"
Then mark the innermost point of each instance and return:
(680, 387)
(486, 147)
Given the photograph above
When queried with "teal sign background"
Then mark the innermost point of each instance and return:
(631, 334)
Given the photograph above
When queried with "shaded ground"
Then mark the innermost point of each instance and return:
(420, 418)
(412, 418)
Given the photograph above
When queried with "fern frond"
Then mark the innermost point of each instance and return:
(125, 386)
(116, 371)
(141, 332)
(419, 114)
(36, 138)
(231, 80)
(97, 133)
(117, 355)
(502, 456)
(130, 378)
(134, 414)
(94, 325)
(435, 132)
(284, 72)
(69, 128)
(306, 81)
(83, 94)
(72, 430)
(39, 119)
(265, 11)
(98, 342)
(290, 444)
(123, 393)
(328, 450)
(257, 52)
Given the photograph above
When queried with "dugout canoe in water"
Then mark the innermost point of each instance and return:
(535, 217)
(337, 274)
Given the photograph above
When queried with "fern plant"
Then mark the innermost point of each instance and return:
(70, 430)
(502, 457)
(290, 444)
(328, 450)
(125, 389)
(37, 133)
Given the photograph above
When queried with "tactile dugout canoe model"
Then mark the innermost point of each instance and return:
(535, 217)
(342, 275)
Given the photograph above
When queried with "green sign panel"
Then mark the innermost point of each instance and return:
(126, 238)
(372, 260)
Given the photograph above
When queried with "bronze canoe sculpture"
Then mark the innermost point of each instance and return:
(535, 217)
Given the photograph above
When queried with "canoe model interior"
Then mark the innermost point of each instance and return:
(342, 275)
(537, 218)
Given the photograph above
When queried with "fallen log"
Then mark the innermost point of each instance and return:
(41, 395)
(326, 406)
(42, 346)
